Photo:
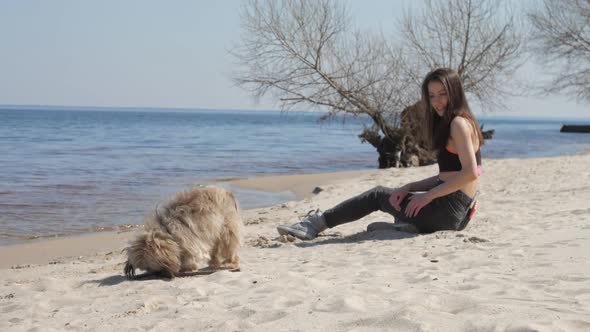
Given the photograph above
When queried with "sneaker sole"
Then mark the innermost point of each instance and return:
(285, 230)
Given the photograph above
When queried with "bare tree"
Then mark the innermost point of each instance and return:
(306, 53)
(561, 39)
(480, 39)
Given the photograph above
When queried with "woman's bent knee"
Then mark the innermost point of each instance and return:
(381, 195)
(382, 190)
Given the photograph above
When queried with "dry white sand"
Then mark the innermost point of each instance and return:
(523, 264)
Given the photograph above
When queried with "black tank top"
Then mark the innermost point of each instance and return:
(449, 161)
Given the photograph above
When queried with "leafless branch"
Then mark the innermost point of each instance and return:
(480, 39)
(561, 39)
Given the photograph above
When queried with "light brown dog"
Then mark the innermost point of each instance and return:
(197, 226)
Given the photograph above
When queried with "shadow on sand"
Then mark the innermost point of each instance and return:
(378, 231)
(117, 279)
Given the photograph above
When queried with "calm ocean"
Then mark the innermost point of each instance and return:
(71, 171)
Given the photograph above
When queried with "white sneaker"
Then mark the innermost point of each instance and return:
(307, 229)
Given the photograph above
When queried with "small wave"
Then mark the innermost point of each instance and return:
(66, 186)
(80, 231)
(228, 179)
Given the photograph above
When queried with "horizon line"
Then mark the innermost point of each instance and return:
(137, 107)
(171, 108)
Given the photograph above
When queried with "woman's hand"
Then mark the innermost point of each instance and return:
(397, 197)
(417, 202)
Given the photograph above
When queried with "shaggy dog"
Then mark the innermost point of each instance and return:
(196, 226)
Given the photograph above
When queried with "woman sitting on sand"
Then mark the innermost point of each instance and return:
(436, 203)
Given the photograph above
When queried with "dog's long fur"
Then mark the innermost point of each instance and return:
(197, 226)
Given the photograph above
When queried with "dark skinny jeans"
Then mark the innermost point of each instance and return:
(443, 213)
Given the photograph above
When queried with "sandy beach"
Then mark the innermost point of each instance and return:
(523, 264)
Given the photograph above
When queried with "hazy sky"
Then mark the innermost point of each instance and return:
(145, 53)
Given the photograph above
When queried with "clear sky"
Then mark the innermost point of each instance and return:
(144, 53)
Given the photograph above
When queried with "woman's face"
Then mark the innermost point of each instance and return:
(438, 97)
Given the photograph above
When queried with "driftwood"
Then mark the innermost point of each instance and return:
(575, 129)
(487, 134)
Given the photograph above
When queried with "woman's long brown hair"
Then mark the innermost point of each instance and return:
(438, 129)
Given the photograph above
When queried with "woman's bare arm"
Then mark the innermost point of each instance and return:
(422, 185)
(461, 131)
